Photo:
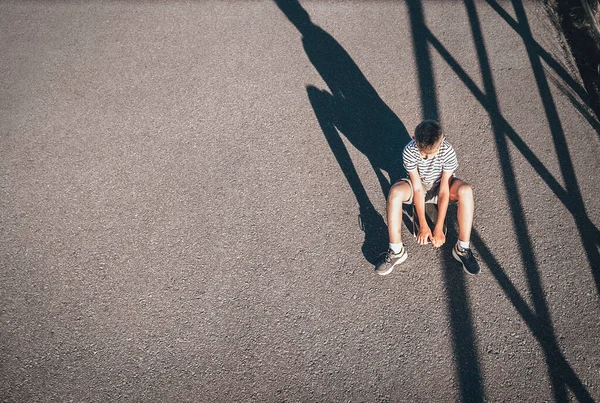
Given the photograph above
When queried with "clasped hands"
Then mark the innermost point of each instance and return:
(438, 238)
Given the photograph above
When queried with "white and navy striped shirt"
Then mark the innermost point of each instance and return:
(430, 170)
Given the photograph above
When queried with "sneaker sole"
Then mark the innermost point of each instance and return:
(388, 271)
(457, 258)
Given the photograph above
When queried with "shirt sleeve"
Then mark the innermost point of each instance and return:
(450, 162)
(408, 158)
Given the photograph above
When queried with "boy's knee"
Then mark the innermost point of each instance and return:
(397, 194)
(465, 192)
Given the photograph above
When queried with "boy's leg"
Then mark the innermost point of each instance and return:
(399, 193)
(461, 191)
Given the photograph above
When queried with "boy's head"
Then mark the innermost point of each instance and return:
(429, 137)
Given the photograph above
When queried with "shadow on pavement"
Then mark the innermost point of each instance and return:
(354, 109)
(573, 201)
(464, 341)
(571, 197)
(571, 88)
(538, 320)
(561, 374)
(583, 109)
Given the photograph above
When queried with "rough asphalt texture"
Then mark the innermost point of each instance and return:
(181, 185)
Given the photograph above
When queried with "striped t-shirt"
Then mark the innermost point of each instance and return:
(430, 170)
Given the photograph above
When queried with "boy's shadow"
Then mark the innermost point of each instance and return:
(354, 109)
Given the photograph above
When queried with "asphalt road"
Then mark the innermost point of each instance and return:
(191, 202)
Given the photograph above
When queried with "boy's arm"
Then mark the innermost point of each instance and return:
(419, 203)
(443, 198)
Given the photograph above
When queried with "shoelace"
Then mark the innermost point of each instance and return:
(388, 256)
(465, 252)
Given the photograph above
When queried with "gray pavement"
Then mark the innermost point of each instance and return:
(191, 202)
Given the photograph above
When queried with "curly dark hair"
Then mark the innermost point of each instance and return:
(427, 134)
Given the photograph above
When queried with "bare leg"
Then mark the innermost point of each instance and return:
(461, 191)
(399, 193)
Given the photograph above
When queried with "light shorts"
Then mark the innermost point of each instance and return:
(432, 190)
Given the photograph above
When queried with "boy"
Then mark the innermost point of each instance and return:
(430, 162)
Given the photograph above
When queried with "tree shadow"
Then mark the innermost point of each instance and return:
(352, 108)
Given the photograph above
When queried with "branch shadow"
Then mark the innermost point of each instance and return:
(352, 109)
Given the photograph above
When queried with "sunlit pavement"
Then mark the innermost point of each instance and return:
(192, 200)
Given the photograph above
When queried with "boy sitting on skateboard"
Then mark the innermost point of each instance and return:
(430, 162)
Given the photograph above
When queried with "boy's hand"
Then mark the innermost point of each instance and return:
(424, 234)
(438, 238)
